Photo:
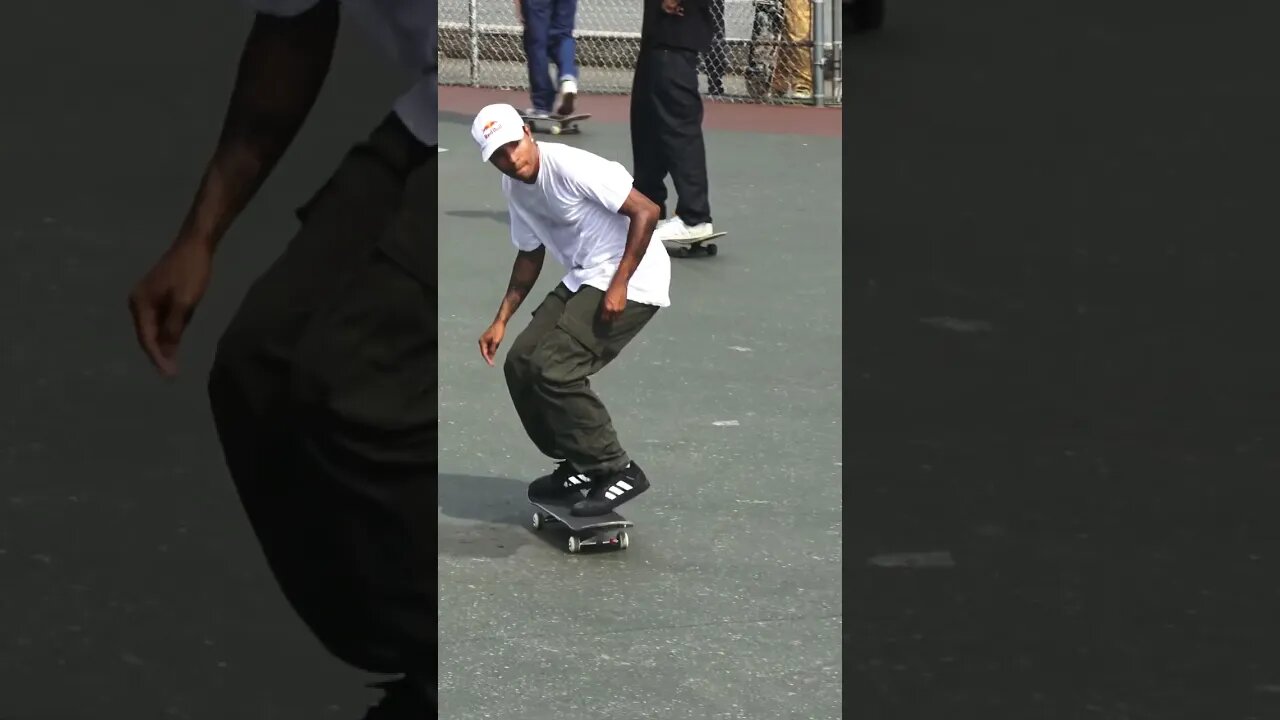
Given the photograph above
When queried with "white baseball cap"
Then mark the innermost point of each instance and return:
(495, 126)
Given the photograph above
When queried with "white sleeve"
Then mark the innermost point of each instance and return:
(604, 181)
(281, 8)
(522, 234)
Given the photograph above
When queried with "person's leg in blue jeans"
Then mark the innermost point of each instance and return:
(562, 50)
(536, 15)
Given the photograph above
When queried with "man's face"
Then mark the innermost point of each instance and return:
(518, 159)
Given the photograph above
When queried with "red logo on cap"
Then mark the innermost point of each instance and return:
(489, 128)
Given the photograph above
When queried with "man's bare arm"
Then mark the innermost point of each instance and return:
(283, 66)
(524, 273)
(644, 218)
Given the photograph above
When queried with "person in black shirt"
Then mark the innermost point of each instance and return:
(666, 115)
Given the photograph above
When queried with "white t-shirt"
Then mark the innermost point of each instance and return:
(572, 209)
(407, 31)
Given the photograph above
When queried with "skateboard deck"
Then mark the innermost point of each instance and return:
(690, 248)
(556, 124)
(604, 529)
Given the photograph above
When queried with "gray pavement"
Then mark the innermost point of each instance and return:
(1064, 274)
(728, 602)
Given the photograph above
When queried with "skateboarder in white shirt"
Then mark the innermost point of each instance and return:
(584, 210)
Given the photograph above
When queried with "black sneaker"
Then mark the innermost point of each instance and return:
(404, 699)
(610, 491)
(561, 484)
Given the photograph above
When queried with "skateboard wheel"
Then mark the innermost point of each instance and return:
(574, 544)
(624, 540)
(555, 129)
(712, 249)
(537, 521)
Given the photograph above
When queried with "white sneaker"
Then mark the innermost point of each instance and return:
(568, 91)
(659, 231)
(674, 230)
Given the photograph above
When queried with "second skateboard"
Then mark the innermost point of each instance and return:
(556, 124)
(692, 248)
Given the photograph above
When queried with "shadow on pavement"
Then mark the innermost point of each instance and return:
(498, 216)
(481, 516)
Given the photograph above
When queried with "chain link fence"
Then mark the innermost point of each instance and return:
(770, 51)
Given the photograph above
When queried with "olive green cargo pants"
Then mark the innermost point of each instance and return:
(547, 371)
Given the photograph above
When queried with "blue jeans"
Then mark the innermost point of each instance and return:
(548, 36)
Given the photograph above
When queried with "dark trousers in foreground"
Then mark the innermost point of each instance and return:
(666, 132)
(547, 370)
(324, 394)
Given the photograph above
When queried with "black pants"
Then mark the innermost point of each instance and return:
(324, 395)
(666, 132)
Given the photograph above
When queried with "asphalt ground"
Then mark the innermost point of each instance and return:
(728, 602)
(1063, 433)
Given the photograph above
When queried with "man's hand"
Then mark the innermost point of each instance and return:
(490, 341)
(164, 300)
(673, 7)
(282, 67)
(615, 301)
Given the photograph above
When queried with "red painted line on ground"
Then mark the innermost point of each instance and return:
(740, 117)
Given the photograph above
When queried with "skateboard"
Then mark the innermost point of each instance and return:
(583, 531)
(557, 124)
(690, 248)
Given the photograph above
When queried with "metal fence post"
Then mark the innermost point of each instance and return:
(819, 37)
(473, 40)
(836, 31)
